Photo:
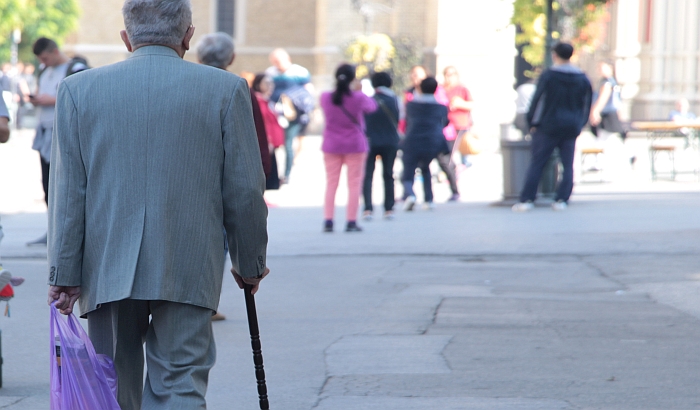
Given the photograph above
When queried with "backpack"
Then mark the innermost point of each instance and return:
(300, 101)
(73, 66)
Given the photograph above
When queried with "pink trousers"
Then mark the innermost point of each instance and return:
(355, 164)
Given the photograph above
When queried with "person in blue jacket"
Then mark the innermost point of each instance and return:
(383, 136)
(425, 119)
(559, 110)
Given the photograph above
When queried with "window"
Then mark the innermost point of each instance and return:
(225, 16)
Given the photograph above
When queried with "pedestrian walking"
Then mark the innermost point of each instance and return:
(461, 105)
(144, 175)
(55, 67)
(559, 110)
(288, 77)
(425, 120)
(263, 86)
(418, 74)
(604, 117)
(345, 143)
(383, 139)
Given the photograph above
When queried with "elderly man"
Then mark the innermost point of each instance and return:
(143, 176)
(217, 50)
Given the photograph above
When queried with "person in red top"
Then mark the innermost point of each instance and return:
(263, 86)
(460, 104)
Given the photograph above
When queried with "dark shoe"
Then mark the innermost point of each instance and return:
(328, 226)
(352, 227)
(38, 242)
(454, 198)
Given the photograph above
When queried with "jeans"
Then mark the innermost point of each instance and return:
(411, 161)
(542, 147)
(388, 156)
(290, 133)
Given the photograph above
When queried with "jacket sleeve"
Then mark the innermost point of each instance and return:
(369, 105)
(243, 185)
(535, 102)
(587, 103)
(67, 191)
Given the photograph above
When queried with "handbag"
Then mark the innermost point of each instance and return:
(470, 144)
(81, 379)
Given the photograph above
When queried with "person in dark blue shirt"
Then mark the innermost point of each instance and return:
(381, 130)
(425, 119)
(559, 110)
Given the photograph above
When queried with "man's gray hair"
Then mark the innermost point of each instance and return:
(215, 50)
(163, 22)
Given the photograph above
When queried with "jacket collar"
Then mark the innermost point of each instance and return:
(155, 50)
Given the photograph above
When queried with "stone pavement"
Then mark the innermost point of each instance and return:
(469, 306)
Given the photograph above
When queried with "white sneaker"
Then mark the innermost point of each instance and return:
(559, 206)
(429, 206)
(523, 207)
(409, 203)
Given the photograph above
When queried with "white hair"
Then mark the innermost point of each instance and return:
(163, 22)
(216, 50)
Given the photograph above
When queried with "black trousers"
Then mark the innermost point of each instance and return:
(411, 161)
(448, 167)
(45, 178)
(542, 147)
(388, 156)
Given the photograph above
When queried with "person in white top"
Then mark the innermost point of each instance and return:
(56, 66)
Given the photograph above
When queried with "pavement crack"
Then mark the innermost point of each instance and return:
(433, 320)
(601, 272)
(13, 403)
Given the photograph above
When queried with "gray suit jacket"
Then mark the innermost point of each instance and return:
(151, 157)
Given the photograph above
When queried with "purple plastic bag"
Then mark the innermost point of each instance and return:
(80, 378)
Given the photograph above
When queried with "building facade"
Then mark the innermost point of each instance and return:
(656, 48)
(473, 35)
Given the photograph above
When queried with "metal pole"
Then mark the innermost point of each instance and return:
(550, 173)
(549, 41)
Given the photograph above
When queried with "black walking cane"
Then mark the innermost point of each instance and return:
(257, 348)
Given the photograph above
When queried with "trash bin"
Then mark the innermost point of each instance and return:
(516, 161)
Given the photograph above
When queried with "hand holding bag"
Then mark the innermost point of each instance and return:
(80, 378)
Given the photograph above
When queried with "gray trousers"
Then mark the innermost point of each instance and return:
(180, 351)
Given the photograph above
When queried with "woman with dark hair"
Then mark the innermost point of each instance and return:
(263, 86)
(383, 143)
(344, 142)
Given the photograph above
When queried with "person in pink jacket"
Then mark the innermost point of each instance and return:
(344, 142)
